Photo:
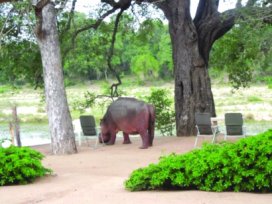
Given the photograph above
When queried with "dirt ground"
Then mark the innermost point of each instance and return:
(97, 175)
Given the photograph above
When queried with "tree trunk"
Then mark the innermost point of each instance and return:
(60, 122)
(192, 83)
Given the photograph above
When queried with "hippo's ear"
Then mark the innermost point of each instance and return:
(102, 121)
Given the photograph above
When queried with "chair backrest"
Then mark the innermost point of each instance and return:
(203, 122)
(88, 126)
(234, 123)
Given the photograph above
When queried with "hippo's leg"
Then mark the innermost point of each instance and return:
(150, 138)
(112, 138)
(145, 139)
(126, 138)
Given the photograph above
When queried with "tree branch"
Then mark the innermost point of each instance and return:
(61, 3)
(114, 86)
(7, 18)
(211, 25)
(250, 3)
(5, 1)
(85, 28)
(205, 9)
(38, 6)
(71, 16)
(211, 28)
(123, 5)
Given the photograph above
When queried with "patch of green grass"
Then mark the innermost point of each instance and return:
(31, 118)
(7, 89)
(254, 99)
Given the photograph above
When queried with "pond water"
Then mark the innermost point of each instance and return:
(31, 134)
(37, 134)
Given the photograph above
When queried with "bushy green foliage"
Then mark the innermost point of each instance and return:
(20, 165)
(242, 166)
(145, 66)
(247, 56)
(87, 102)
(165, 115)
(268, 81)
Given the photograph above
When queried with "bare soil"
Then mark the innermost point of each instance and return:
(97, 176)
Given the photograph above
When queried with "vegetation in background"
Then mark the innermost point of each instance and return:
(245, 53)
(135, 52)
(242, 166)
(87, 102)
(144, 51)
(6, 89)
(20, 165)
(268, 81)
(165, 115)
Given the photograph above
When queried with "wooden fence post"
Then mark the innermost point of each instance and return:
(16, 126)
(11, 133)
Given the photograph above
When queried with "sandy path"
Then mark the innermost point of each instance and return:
(97, 176)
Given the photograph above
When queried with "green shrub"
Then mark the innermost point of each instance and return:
(268, 81)
(20, 165)
(87, 102)
(165, 116)
(69, 82)
(242, 166)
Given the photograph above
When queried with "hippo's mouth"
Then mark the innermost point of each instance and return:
(105, 140)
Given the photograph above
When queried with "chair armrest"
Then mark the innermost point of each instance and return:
(197, 129)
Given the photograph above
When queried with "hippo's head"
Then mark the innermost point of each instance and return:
(106, 137)
(104, 133)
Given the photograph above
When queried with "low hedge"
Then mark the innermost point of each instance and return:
(20, 165)
(242, 166)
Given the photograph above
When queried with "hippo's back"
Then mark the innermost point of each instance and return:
(126, 108)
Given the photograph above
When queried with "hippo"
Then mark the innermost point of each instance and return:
(131, 116)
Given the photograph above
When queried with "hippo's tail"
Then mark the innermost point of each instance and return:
(151, 125)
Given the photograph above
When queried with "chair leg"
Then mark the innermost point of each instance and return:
(196, 141)
(102, 141)
(87, 141)
(214, 135)
(96, 142)
(79, 138)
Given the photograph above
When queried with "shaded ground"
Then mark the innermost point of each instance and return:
(97, 176)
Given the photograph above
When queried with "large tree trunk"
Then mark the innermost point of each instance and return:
(60, 122)
(192, 84)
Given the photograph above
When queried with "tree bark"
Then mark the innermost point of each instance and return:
(60, 122)
(192, 83)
